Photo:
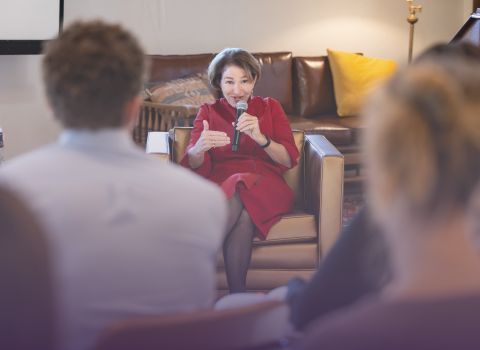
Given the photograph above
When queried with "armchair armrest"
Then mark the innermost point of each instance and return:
(161, 117)
(171, 144)
(324, 167)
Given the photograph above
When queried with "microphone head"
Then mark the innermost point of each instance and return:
(242, 105)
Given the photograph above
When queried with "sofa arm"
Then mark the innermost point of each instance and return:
(324, 167)
(161, 117)
(158, 145)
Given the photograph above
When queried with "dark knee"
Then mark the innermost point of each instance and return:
(245, 221)
(244, 217)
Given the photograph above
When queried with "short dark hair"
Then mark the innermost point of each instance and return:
(90, 72)
(233, 57)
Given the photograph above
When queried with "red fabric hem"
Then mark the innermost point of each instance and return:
(238, 181)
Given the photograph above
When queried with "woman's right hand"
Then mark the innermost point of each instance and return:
(210, 139)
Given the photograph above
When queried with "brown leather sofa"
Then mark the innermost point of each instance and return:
(296, 244)
(303, 85)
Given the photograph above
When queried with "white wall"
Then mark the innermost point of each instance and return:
(24, 115)
(305, 27)
(376, 27)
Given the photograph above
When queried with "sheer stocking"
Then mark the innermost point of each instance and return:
(237, 247)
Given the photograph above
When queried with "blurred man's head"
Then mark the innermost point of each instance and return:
(92, 72)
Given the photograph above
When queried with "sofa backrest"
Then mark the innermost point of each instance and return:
(170, 67)
(313, 86)
(303, 85)
(276, 78)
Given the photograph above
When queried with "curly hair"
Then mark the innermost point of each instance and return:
(90, 72)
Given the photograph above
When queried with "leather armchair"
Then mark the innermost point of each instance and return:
(296, 244)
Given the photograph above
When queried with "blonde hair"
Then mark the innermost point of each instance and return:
(422, 139)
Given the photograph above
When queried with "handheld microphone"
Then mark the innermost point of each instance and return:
(241, 108)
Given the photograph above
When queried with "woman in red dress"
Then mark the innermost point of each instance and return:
(251, 177)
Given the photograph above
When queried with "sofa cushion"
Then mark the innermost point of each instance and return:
(289, 256)
(312, 87)
(293, 227)
(354, 76)
(263, 280)
(339, 131)
(276, 79)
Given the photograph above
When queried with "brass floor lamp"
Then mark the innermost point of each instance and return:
(412, 19)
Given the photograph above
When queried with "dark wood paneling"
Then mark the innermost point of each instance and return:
(476, 4)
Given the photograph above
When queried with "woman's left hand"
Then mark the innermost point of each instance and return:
(248, 124)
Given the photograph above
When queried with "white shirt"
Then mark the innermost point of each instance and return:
(128, 235)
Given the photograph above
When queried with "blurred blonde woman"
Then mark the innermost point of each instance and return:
(422, 147)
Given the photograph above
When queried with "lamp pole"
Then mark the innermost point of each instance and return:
(412, 19)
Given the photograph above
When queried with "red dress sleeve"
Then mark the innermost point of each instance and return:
(282, 132)
(206, 167)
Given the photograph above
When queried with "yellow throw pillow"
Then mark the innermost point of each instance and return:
(354, 76)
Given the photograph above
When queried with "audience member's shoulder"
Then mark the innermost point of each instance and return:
(22, 164)
(201, 198)
(176, 175)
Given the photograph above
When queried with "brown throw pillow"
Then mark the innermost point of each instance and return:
(191, 91)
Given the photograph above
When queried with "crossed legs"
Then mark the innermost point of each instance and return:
(237, 247)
